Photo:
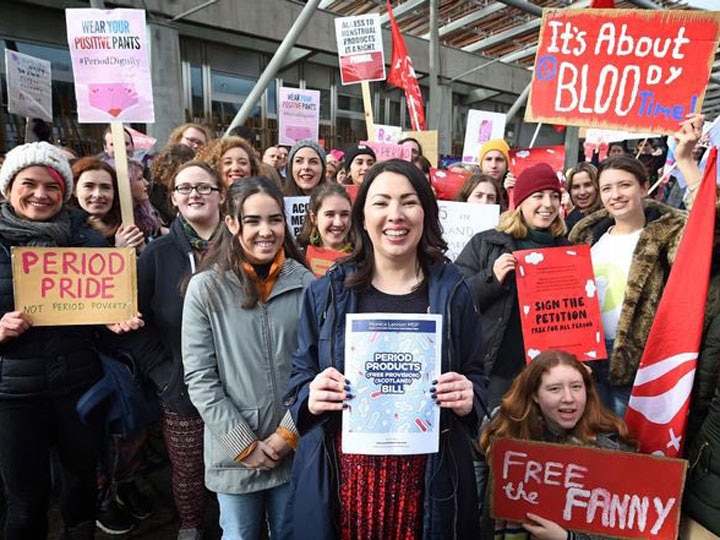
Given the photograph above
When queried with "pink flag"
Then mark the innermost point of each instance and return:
(658, 406)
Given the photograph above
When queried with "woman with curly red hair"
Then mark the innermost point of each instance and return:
(553, 400)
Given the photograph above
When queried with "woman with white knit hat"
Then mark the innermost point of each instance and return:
(44, 369)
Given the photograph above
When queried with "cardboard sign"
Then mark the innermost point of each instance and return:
(429, 142)
(109, 54)
(295, 210)
(298, 115)
(559, 307)
(461, 221)
(387, 134)
(142, 143)
(482, 126)
(597, 136)
(69, 286)
(360, 49)
(447, 184)
(524, 158)
(639, 70)
(385, 151)
(352, 190)
(583, 489)
(321, 259)
(29, 85)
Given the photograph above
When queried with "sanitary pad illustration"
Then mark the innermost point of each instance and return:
(113, 98)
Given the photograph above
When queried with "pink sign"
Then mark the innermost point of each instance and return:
(385, 151)
(109, 54)
(298, 115)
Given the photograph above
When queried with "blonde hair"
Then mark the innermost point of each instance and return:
(513, 223)
(177, 133)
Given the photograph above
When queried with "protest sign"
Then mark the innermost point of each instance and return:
(387, 134)
(109, 54)
(559, 307)
(638, 70)
(298, 115)
(142, 143)
(481, 127)
(524, 158)
(429, 142)
(391, 361)
(67, 286)
(360, 49)
(597, 136)
(29, 86)
(461, 221)
(321, 259)
(447, 184)
(295, 209)
(584, 489)
(385, 151)
(352, 190)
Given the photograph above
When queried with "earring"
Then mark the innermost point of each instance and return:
(315, 237)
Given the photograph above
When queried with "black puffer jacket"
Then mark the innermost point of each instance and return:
(48, 360)
(493, 299)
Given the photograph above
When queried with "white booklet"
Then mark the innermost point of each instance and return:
(391, 361)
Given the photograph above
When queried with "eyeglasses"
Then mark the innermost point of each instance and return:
(193, 142)
(202, 189)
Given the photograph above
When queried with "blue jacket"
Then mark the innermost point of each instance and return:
(450, 501)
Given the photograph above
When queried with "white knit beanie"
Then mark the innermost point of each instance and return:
(34, 153)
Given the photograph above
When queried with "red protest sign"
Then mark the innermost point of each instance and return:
(321, 259)
(559, 307)
(360, 50)
(634, 69)
(352, 190)
(524, 158)
(447, 184)
(385, 151)
(620, 494)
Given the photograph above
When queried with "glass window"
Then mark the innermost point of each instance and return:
(228, 94)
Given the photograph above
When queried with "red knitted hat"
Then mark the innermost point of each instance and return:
(536, 178)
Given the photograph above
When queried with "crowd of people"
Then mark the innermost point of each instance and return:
(244, 348)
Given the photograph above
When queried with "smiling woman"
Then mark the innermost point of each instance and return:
(95, 189)
(307, 168)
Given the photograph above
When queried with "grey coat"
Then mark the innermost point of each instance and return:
(237, 363)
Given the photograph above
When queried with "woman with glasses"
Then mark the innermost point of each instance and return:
(163, 268)
(189, 134)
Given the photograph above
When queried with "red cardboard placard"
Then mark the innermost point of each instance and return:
(321, 259)
(524, 158)
(641, 70)
(447, 184)
(607, 492)
(559, 307)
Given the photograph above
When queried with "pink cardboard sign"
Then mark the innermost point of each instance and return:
(109, 54)
(298, 115)
(385, 151)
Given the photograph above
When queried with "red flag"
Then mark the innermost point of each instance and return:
(402, 75)
(658, 407)
(602, 4)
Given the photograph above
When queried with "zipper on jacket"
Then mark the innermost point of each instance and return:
(269, 359)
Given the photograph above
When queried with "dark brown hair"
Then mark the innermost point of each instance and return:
(431, 248)
(113, 218)
(227, 252)
(471, 183)
(628, 164)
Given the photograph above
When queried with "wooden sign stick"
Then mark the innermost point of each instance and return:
(123, 178)
(367, 105)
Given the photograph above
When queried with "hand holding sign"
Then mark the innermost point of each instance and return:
(544, 529)
(13, 324)
(454, 391)
(503, 265)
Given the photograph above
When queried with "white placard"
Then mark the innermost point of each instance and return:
(482, 126)
(360, 49)
(461, 221)
(387, 134)
(295, 209)
(597, 136)
(29, 85)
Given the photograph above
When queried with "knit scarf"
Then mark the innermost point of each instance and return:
(201, 245)
(537, 239)
(265, 285)
(24, 232)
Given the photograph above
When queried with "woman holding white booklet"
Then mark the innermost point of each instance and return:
(397, 266)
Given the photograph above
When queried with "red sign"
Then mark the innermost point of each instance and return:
(352, 190)
(321, 259)
(634, 69)
(385, 151)
(360, 50)
(607, 492)
(559, 307)
(524, 158)
(447, 184)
